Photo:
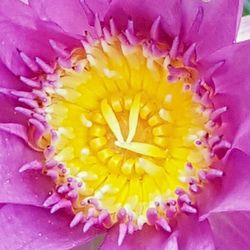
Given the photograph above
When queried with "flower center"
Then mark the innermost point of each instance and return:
(128, 135)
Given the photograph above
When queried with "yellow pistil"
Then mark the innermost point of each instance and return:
(111, 120)
(133, 118)
(125, 132)
(143, 149)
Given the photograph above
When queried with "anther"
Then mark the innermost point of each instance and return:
(217, 113)
(155, 29)
(98, 26)
(187, 57)
(29, 82)
(87, 123)
(214, 173)
(53, 174)
(59, 48)
(63, 203)
(29, 62)
(123, 228)
(63, 189)
(164, 224)
(34, 165)
(188, 209)
(51, 200)
(152, 215)
(78, 218)
(113, 28)
(29, 102)
(44, 66)
(174, 48)
(165, 115)
(89, 223)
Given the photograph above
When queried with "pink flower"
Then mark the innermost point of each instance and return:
(126, 120)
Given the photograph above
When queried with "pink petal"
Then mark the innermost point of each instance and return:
(193, 234)
(231, 230)
(232, 89)
(144, 14)
(215, 21)
(68, 14)
(148, 238)
(28, 228)
(232, 194)
(21, 30)
(7, 112)
(244, 30)
(24, 188)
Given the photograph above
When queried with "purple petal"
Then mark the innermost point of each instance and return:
(143, 15)
(36, 228)
(68, 14)
(193, 234)
(7, 103)
(232, 194)
(232, 89)
(21, 30)
(25, 188)
(206, 21)
(147, 238)
(231, 230)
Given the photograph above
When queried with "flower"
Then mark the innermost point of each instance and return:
(122, 119)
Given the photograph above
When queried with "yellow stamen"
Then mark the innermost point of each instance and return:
(123, 131)
(150, 167)
(111, 120)
(143, 149)
(133, 118)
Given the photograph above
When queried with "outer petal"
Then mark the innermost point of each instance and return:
(206, 21)
(232, 194)
(33, 41)
(148, 239)
(68, 14)
(194, 235)
(233, 90)
(143, 13)
(28, 228)
(231, 230)
(26, 188)
(73, 16)
(21, 30)
(7, 104)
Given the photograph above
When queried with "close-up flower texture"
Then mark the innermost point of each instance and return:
(124, 124)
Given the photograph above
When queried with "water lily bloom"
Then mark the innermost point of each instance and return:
(125, 119)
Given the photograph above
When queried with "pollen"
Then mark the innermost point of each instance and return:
(128, 139)
(121, 124)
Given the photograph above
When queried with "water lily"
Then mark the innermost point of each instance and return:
(127, 120)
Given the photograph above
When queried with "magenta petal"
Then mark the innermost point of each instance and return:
(144, 14)
(16, 12)
(7, 112)
(206, 21)
(68, 14)
(28, 228)
(148, 238)
(233, 192)
(22, 30)
(232, 89)
(34, 41)
(25, 188)
(194, 235)
(231, 230)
